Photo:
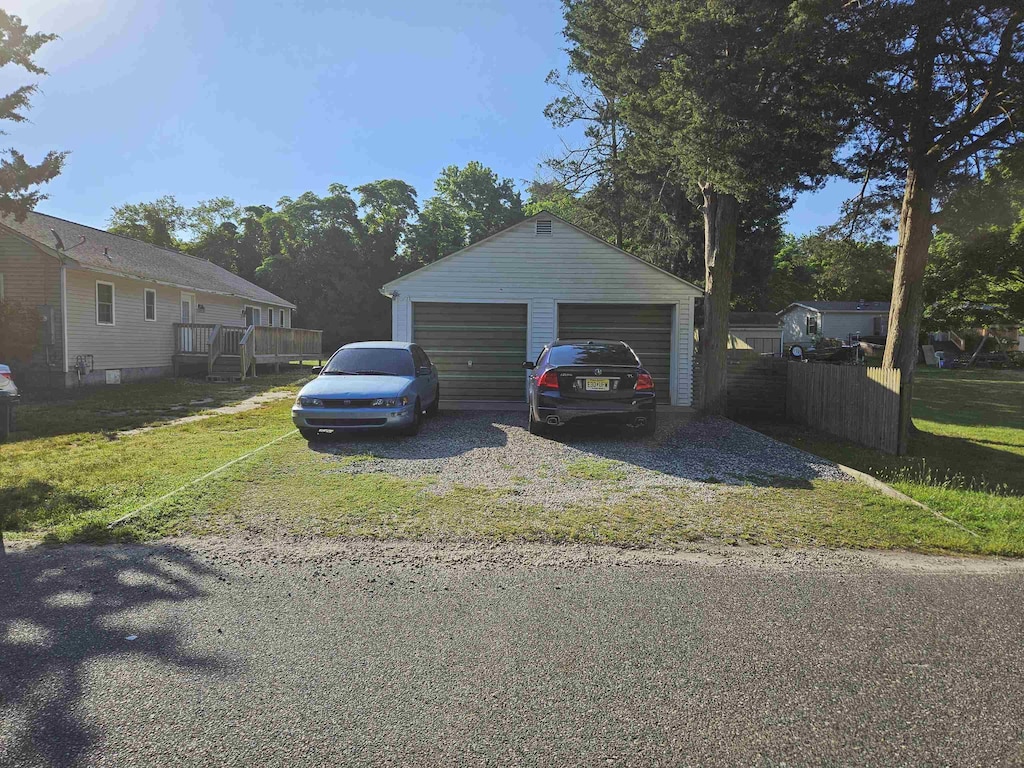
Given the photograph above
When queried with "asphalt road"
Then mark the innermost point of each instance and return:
(371, 656)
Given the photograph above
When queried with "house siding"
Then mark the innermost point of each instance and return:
(839, 325)
(568, 267)
(32, 278)
(134, 344)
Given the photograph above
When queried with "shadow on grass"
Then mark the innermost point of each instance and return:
(66, 610)
(130, 406)
(36, 502)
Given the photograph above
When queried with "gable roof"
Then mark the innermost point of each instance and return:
(388, 288)
(840, 306)
(94, 249)
(742, 319)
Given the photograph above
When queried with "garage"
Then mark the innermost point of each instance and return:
(478, 348)
(483, 310)
(647, 328)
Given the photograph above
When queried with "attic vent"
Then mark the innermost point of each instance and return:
(543, 227)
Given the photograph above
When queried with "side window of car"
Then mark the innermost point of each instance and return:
(419, 358)
(424, 356)
(541, 358)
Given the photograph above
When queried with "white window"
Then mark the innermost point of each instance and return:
(149, 300)
(104, 303)
(270, 318)
(253, 316)
(286, 318)
(812, 325)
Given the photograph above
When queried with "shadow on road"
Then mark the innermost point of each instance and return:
(63, 610)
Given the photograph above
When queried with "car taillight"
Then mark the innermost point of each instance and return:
(644, 381)
(548, 380)
(6, 375)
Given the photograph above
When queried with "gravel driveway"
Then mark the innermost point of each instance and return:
(493, 449)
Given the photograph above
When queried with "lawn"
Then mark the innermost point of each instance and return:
(967, 459)
(71, 472)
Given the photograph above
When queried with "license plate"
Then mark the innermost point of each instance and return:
(598, 385)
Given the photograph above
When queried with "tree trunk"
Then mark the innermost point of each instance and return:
(915, 237)
(721, 213)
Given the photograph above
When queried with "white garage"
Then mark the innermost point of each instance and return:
(483, 310)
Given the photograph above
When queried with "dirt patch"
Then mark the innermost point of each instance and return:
(249, 404)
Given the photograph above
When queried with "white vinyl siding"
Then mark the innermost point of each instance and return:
(32, 278)
(105, 303)
(135, 342)
(840, 325)
(568, 267)
(149, 304)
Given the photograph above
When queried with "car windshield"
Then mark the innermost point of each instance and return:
(594, 353)
(370, 361)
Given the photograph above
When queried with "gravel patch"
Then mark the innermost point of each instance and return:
(494, 450)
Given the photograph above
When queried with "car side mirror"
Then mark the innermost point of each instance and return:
(529, 365)
(317, 369)
(423, 370)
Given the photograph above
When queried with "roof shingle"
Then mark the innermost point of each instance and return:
(95, 249)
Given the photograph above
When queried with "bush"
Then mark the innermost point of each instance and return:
(19, 331)
(1017, 359)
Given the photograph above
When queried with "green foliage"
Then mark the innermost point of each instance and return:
(471, 203)
(19, 179)
(19, 331)
(975, 274)
(819, 267)
(157, 222)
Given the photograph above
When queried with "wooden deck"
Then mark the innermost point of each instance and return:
(233, 352)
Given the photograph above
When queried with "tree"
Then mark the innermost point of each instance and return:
(737, 100)
(471, 203)
(975, 272)
(941, 86)
(159, 222)
(825, 268)
(19, 179)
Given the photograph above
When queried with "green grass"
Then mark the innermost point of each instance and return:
(68, 475)
(967, 461)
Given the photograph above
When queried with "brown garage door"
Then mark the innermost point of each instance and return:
(647, 328)
(479, 349)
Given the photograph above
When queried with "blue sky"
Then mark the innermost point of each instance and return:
(259, 99)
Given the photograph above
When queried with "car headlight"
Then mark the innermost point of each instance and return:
(390, 402)
(309, 402)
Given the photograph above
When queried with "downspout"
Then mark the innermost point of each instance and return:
(64, 314)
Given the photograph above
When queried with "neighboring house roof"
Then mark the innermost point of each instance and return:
(100, 251)
(839, 306)
(388, 288)
(751, 319)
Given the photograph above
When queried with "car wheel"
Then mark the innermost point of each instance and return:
(436, 405)
(417, 417)
(648, 429)
(536, 427)
(309, 434)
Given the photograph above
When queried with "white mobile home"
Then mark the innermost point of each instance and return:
(480, 312)
(803, 321)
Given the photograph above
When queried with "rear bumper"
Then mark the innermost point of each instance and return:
(610, 411)
(353, 418)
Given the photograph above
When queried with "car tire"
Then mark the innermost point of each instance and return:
(537, 427)
(417, 417)
(309, 434)
(648, 429)
(435, 406)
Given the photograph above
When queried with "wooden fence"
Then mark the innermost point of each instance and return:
(756, 385)
(857, 403)
(854, 402)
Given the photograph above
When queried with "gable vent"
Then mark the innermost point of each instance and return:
(543, 227)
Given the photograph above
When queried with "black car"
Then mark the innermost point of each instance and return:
(590, 381)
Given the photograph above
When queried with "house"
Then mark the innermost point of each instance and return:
(118, 309)
(480, 312)
(804, 321)
(759, 332)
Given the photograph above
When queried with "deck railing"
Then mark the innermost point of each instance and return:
(253, 344)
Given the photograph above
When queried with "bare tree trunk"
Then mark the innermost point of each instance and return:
(915, 237)
(721, 213)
